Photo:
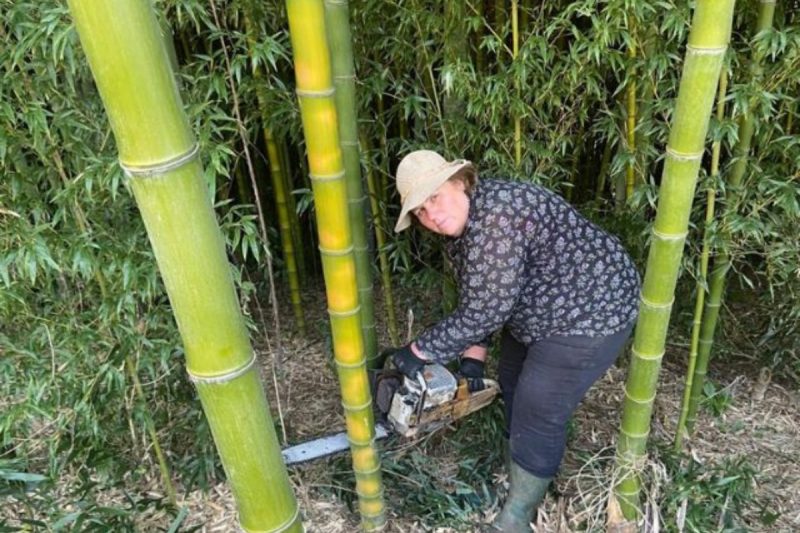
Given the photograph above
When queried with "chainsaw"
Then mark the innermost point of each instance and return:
(406, 407)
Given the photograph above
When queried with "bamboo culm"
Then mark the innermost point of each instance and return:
(315, 92)
(279, 191)
(337, 24)
(380, 240)
(158, 152)
(700, 290)
(722, 262)
(708, 41)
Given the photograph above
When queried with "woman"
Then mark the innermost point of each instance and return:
(564, 292)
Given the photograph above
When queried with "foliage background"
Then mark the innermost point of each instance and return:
(79, 288)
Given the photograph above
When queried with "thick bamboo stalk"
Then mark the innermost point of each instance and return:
(380, 239)
(708, 40)
(276, 175)
(159, 154)
(700, 289)
(318, 110)
(337, 24)
(722, 262)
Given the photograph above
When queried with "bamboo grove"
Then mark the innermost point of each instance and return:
(584, 97)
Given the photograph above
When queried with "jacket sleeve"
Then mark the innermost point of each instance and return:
(490, 283)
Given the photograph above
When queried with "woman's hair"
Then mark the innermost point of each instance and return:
(468, 176)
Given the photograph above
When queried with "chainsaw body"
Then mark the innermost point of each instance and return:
(435, 398)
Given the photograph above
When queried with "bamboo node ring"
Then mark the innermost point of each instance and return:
(648, 357)
(289, 523)
(356, 200)
(640, 402)
(654, 305)
(366, 473)
(351, 408)
(222, 378)
(670, 236)
(340, 364)
(683, 156)
(322, 93)
(344, 314)
(332, 252)
(159, 169)
(635, 435)
(368, 442)
(706, 50)
(326, 177)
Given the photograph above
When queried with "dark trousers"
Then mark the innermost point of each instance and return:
(542, 384)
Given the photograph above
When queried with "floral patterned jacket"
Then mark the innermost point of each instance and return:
(529, 261)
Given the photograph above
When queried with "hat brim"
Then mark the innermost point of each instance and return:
(418, 196)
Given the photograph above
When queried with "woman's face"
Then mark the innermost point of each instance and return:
(445, 211)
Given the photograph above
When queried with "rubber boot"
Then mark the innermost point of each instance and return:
(524, 496)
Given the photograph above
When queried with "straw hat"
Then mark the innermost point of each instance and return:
(419, 174)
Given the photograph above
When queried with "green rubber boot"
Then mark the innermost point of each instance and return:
(525, 493)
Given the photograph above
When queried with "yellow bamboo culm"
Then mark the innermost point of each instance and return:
(326, 167)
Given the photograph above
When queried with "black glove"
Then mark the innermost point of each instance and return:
(406, 362)
(473, 371)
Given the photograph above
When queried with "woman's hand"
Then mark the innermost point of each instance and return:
(406, 362)
(473, 371)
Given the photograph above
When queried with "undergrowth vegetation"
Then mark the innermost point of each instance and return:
(82, 305)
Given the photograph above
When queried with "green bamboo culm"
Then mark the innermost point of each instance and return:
(159, 155)
(380, 241)
(337, 24)
(279, 191)
(630, 124)
(708, 40)
(700, 289)
(514, 54)
(285, 218)
(722, 260)
(326, 167)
